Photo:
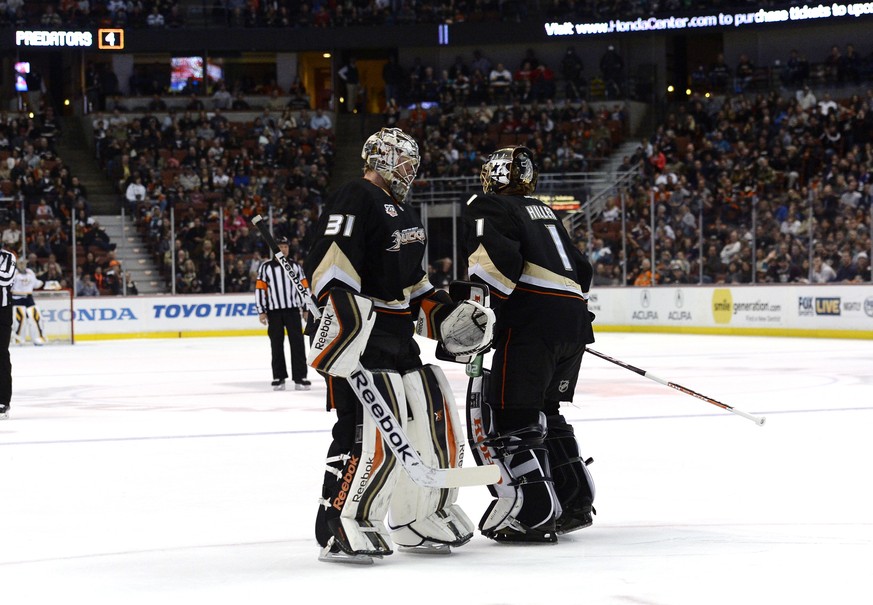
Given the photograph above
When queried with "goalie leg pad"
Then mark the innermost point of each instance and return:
(19, 329)
(36, 326)
(574, 485)
(422, 517)
(342, 333)
(526, 506)
(359, 484)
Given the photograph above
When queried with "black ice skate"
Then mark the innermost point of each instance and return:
(278, 384)
(302, 385)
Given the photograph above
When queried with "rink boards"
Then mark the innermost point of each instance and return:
(831, 311)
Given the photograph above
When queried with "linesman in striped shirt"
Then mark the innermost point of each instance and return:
(280, 307)
(7, 273)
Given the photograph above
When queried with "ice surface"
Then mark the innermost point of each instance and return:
(168, 471)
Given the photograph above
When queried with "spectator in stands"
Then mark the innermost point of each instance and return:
(796, 69)
(320, 120)
(745, 73)
(612, 70)
(644, 277)
(96, 236)
(351, 79)
(12, 237)
(822, 272)
(806, 99)
(522, 81)
(833, 63)
(155, 18)
(543, 85)
(850, 68)
(135, 192)
(719, 74)
(499, 83)
(238, 278)
(572, 69)
(85, 286)
(298, 97)
(442, 274)
(221, 98)
(391, 113)
(862, 266)
(784, 270)
(189, 180)
(393, 77)
(239, 102)
(480, 63)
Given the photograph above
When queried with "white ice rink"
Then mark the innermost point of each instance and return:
(167, 471)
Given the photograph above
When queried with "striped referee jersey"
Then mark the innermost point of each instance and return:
(275, 290)
(7, 272)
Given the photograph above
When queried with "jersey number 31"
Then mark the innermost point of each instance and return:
(340, 223)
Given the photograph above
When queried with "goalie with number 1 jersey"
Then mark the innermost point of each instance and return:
(369, 242)
(538, 280)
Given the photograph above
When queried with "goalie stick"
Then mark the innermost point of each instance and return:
(361, 381)
(759, 420)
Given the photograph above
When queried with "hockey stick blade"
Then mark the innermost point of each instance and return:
(372, 401)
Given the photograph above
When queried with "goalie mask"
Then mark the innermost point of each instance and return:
(510, 171)
(393, 155)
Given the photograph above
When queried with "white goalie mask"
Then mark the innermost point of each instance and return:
(393, 155)
(510, 171)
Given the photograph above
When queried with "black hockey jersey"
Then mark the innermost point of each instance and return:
(368, 243)
(537, 277)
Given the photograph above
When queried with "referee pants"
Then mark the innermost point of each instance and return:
(278, 321)
(5, 361)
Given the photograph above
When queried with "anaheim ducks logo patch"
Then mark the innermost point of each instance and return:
(390, 210)
(407, 236)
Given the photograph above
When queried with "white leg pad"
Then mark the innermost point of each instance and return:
(366, 490)
(420, 515)
(36, 325)
(19, 324)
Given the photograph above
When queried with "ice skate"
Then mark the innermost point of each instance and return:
(302, 385)
(278, 384)
(332, 553)
(427, 548)
(4, 412)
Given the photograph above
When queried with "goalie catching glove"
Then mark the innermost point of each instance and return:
(463, 328)
(468, 329)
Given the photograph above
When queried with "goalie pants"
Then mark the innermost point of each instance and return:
(529, 375)
(5, 361)
(278, 321)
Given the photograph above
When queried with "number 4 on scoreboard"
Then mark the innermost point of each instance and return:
(110, 39)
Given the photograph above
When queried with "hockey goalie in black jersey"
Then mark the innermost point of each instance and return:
(370, 243)
(538, 283)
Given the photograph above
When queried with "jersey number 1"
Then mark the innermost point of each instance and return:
(553, 232)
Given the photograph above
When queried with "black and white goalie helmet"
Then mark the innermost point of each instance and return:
(393, 155)
(510, 171)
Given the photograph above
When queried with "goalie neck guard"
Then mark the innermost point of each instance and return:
(510, 171)
(393, 155)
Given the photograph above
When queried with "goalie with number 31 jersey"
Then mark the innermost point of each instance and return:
(539, 281)
(369, 242)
